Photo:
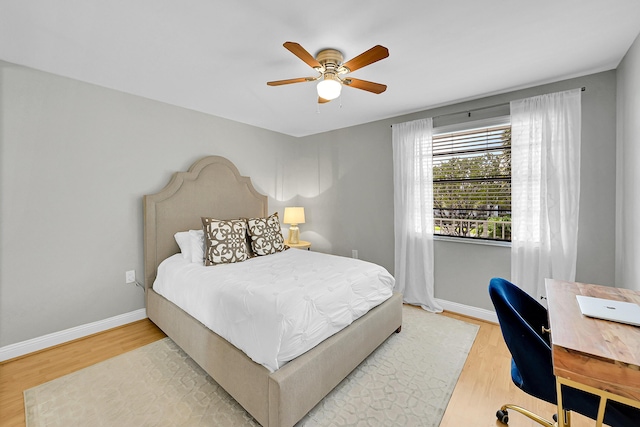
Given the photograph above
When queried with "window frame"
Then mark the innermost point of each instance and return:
(469, 125)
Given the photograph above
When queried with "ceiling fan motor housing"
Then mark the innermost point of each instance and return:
(330, 59)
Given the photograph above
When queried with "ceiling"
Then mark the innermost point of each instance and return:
(216, 56)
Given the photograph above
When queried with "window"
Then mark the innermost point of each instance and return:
(472, 181)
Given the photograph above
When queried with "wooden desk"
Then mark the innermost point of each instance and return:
(594, 355)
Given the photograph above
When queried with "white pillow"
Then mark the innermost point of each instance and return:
(196, 238)
(183, 239)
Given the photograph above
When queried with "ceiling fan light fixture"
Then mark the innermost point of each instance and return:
(329, 88)
(330, 67)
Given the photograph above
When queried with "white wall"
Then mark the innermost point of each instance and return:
(75, 161)
(628, 179)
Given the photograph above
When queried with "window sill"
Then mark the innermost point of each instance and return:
(437, 237)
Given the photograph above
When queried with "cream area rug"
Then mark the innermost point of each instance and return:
(406, 382)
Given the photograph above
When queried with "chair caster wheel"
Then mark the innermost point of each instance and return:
(503, 416)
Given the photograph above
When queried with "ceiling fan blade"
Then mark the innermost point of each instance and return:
(323, 101)
(301, 53)
(374, 54)
(365, 85)
(289, 81)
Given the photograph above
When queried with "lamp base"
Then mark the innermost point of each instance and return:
(294, 234)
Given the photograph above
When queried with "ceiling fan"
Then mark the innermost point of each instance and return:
(332, 71)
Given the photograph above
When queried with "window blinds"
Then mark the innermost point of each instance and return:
(472, 182)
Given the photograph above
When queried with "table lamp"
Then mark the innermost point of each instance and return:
(294, 216)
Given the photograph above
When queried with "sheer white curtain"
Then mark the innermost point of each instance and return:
(545, 169)
(413, 210)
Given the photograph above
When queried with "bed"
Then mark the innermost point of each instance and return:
(212, 187)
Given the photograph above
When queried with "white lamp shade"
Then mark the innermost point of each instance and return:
(329, 89)
(294, 215)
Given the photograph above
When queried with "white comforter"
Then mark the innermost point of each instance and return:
(275, 307)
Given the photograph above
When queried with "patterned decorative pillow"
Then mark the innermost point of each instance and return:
(225, 241)
(266, 236)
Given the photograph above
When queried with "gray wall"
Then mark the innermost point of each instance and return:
(75, 160)
(354, 169)
(628, 183)
(351, 170)
(65, 241)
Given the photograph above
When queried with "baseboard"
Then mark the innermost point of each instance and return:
(40, 343)
(25, 347)
(467, 310)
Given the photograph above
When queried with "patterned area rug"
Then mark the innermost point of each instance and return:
(406, 381)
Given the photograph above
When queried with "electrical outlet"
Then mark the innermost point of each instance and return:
(130, 276)
(354, 253)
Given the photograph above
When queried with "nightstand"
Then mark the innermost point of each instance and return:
(300, 245)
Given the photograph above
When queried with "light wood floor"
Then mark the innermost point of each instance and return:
(484, 384)
(23, 373)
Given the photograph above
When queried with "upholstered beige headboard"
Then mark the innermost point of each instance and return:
(212, 187)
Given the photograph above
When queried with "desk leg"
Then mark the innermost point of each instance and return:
(564, 417)
(601, 408)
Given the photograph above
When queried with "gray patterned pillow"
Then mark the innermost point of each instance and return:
(225, 241)
(266, 237)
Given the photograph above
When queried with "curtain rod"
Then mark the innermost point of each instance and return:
(583, 88)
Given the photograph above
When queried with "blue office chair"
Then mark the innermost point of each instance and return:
(522, 320)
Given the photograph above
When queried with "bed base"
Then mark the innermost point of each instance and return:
(281, 398)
